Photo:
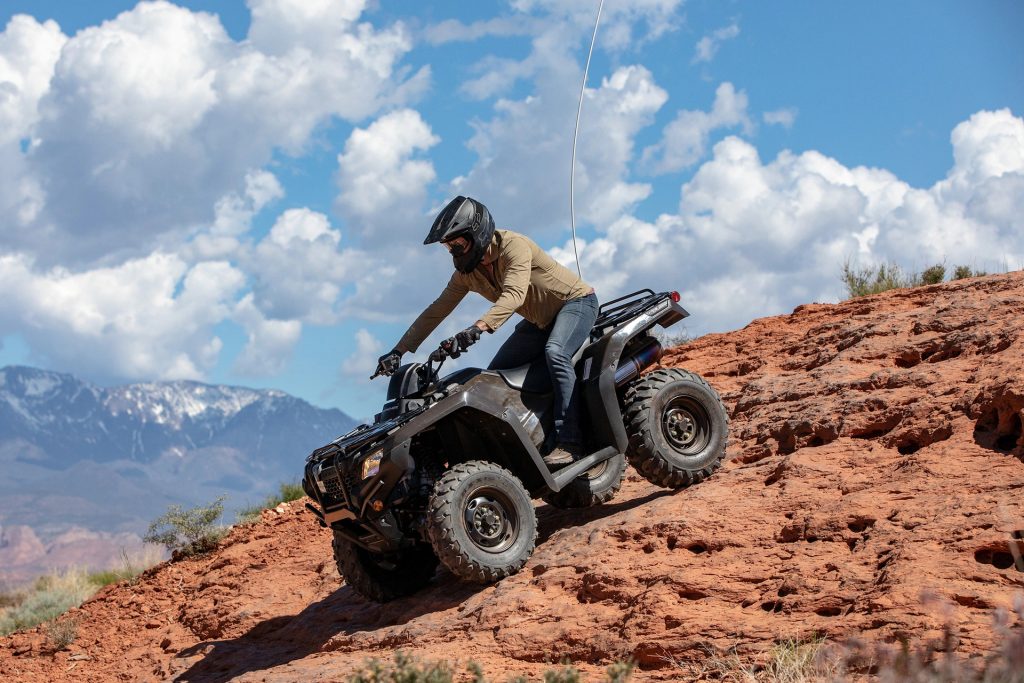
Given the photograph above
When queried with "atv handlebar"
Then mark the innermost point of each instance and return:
(449, 348)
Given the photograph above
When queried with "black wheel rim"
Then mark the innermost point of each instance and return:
(491, 520)
(686, 425)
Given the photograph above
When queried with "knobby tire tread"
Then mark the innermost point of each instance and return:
(642, 450)
(441, 530)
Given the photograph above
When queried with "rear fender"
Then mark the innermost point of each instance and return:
(598, 365)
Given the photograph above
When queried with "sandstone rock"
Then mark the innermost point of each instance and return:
(873, 492)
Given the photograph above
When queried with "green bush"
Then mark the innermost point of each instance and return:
(286, 493)
(874, 280)
(188, 532)
(933, 275)
(961, 272)
(405, 669)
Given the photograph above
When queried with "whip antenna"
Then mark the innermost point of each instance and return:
(576, 132)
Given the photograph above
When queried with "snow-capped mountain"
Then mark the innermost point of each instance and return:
(74, 455)
(69, 420)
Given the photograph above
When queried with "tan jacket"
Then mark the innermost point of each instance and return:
(524, 280)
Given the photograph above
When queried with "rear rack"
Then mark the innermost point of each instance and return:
(617, 311)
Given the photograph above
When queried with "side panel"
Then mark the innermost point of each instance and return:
(599, 363)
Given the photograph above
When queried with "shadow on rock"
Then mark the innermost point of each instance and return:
(551, 520)
(284, 639)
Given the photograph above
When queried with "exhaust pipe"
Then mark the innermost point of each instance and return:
(631, 367)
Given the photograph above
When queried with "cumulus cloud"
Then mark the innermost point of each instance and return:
(754, 238)
(149, 118)
(382, 187)
(269, 343)
(527, 185)
(708, 46)
(148, 317)
(28, 54)
(298, 269)
(685, 140)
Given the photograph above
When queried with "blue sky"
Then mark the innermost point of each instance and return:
(237, 192)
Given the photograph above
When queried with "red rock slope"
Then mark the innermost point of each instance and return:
(874, 490)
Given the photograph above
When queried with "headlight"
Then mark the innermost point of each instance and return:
(371, 465)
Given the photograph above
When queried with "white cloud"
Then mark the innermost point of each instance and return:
(149, 317)
(363, 360)
(754, 238)
(382, 188)
(527, 185)
(708, 46)
(453, 30)
(233, 216)
(28, 53)
(298, 269)
(269, 344)
(785, 117)
(150, 117)
(684, 141)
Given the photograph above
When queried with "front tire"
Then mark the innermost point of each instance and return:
(481, 522)
(383, 577)
(597, 485)
(677, 426)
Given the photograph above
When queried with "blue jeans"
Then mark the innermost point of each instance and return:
(558, 342)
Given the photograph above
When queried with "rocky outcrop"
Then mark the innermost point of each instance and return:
(874, 490)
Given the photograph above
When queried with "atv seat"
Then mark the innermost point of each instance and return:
(534, 377)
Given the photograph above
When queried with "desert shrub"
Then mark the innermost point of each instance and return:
(404, 669)
(961, 272)
(188, 532)
(49, 597)
(933, 275)
(869, 280)
(129, 568)
(407, 669)
(60, 634)
(286, 493)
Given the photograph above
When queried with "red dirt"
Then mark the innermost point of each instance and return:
(873, 491)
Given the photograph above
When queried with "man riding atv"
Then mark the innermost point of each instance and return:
(517, 276)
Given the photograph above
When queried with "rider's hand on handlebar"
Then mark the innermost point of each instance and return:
(468, 337)
(388, 363)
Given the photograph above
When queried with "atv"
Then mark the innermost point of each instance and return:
(448, 469)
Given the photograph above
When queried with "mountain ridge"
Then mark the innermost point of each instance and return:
(69, 449)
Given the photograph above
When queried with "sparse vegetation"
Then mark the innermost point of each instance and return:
(49, 597)
(407, 669)
(61, 633)
(188, 532)
(961, 272)
(52, 595)
(867, 280)
(286, 493)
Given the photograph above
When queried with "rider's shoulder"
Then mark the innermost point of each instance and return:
(512, 240)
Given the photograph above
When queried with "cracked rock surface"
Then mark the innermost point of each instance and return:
(875, 489)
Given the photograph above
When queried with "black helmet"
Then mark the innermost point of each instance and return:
(464, 217)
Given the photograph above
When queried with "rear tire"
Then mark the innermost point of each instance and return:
(678, 427)
(481, 522)
(384, 577)
(597, 485)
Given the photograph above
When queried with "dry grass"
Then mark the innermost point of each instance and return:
(54, 594)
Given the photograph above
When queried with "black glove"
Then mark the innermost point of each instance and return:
(468, 337)
(388, 363)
